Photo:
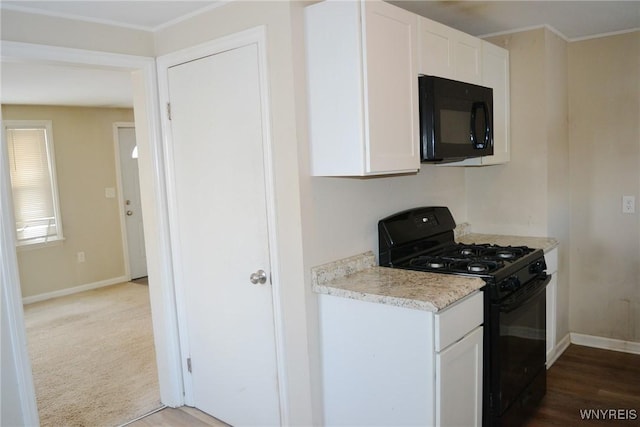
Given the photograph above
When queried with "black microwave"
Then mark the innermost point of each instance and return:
(456, 120)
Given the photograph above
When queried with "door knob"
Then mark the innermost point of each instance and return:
(259, 276)
(129, 213)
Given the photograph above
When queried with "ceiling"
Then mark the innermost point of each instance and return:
(145, 15)
(55, 85)
(573, 19)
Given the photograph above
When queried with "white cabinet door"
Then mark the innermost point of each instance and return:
(391, 97)
(362, 88)
(449, 53)
(468, 50)
(377, 364)
(435, 49)
(459, 382)
(495, 74)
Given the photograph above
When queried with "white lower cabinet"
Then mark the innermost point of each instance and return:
(386, 365)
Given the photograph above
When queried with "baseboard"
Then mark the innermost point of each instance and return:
(558, 350)
(605, 343)
(74, 290)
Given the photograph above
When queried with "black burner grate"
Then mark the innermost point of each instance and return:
(455, 264)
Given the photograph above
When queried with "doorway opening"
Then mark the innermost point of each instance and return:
(131, 220)
(142, 71)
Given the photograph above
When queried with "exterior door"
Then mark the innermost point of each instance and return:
(220, 238)
(131, 201)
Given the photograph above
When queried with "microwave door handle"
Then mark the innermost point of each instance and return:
(486, 141)
(472, 125)
(487, 126)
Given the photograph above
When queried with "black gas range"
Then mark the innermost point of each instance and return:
(515, 306)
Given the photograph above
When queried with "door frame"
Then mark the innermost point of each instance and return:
(120, 190)
(154, 206)
(251, 36)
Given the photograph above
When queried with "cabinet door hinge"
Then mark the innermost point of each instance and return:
(169, 110)
(189, 364)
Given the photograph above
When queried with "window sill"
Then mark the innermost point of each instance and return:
(22, 247)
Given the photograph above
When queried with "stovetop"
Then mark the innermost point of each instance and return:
(422, 239)
(476, 260)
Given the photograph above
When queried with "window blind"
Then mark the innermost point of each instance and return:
(32, 184)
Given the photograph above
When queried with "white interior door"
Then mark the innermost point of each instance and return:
(220, 237)
(131, 202)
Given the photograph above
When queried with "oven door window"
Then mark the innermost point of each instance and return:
(522, 346)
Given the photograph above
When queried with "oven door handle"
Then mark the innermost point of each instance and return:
(523, 298)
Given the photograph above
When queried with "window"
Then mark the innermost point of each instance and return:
(33, 181)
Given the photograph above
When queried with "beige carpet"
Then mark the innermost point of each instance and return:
(92, 357)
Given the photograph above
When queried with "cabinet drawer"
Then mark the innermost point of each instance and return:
(458, 320)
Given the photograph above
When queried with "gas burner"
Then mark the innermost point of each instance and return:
(505, 254)
(489, 252)
(436, 263)
(478, 267)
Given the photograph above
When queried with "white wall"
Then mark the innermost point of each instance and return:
(229, 19)
(575, 152)
(84, 155)
(512, 198)
(604, 107)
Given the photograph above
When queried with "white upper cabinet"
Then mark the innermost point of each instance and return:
(449, 53)
(362, 73)
(495, 74)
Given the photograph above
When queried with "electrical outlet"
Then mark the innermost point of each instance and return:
(628, 204)
(80, 256)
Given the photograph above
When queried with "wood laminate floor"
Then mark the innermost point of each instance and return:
(590, 379)
(178, 417)
(582, 379)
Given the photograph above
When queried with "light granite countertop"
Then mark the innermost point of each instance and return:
(358, 277)
(545, 243)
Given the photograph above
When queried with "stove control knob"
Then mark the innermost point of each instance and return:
(537, 267)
